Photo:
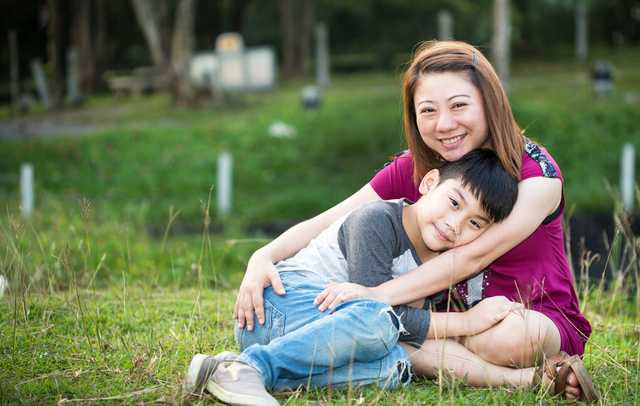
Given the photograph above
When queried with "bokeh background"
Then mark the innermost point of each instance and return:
(152, 156)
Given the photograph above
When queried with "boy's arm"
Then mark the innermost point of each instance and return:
(369, 237)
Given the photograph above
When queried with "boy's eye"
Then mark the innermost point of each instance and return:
(475, 223)
(453, 202)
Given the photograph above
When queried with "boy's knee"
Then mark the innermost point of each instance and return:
(383, 325)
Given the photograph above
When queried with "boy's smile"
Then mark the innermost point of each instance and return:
(447, 215)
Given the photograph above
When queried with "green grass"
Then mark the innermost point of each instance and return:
(148, 156)
(103, 313)
(123, 273)
(131, 345)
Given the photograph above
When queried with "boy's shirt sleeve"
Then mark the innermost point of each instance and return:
(371, 241)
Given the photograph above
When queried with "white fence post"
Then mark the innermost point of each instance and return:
(26, 188)
(627, 176)
(225, 182)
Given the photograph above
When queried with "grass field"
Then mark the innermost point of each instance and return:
(76, 330)
(125, 270)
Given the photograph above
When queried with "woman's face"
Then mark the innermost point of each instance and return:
(450, 115)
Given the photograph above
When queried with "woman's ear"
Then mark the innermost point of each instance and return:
(429, 181)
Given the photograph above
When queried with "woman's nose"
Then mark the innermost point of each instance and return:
(446, 122)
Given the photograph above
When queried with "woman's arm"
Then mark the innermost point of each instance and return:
(261, 271)
(537, 198)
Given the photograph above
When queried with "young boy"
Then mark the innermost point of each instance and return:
(357, 341)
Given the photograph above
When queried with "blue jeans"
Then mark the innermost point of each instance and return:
(355, 343)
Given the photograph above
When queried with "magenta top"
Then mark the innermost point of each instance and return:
(535, 272)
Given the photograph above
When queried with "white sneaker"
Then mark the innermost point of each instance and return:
(201, 368)
(243, 387)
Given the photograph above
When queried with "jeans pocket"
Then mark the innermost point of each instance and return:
(262, 334)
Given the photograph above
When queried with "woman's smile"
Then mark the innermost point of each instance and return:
(450, 115)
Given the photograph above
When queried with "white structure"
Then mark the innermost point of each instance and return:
(232, 66)
(627, 176)
(224, 187)
(26, 188)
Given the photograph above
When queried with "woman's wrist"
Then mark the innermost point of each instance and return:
(380, 294)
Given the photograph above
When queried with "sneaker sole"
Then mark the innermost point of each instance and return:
(237, 399)
(201, 368)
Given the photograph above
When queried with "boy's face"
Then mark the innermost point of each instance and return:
(448, 214)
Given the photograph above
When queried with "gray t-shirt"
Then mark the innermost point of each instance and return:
(369, 246)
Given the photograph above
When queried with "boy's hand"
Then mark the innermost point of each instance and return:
(336, 293)
(260, 275)
(490, 311)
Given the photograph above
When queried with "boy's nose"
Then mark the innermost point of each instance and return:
(454, 226)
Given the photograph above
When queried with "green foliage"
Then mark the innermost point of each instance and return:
(144, 156)
(583, 132)
(76, 326)
(135, 169)
(104, 313)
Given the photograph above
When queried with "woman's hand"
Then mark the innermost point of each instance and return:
(489, 312)
(261, 273)
(336, 293)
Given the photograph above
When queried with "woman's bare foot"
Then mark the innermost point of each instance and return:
(567, 376)
(572, 391)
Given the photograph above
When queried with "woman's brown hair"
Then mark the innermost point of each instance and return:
(505, 137)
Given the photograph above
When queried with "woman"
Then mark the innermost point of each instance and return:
(454, 103)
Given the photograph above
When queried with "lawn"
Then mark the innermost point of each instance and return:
(125, 269)
(75, 330)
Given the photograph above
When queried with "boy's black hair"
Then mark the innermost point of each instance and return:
(482, 172)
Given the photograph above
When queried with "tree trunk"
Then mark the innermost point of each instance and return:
(296, 27)
(53, 48)
(582, 30)
(306, 37)
(89, 36)
(171, 57)
(14, 70)
(181, 48)
(502, 40)
(99, 39)
(288, 30)
(81, 37)
(150, 15)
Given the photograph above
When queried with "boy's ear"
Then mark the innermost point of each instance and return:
(429, 181)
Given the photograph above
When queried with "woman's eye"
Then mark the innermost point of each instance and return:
(454, 202)
(458, 105)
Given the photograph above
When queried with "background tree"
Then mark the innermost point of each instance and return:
(501, 43)
(297, 19)
(53, 53)
(88, 35)
(170, 49)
